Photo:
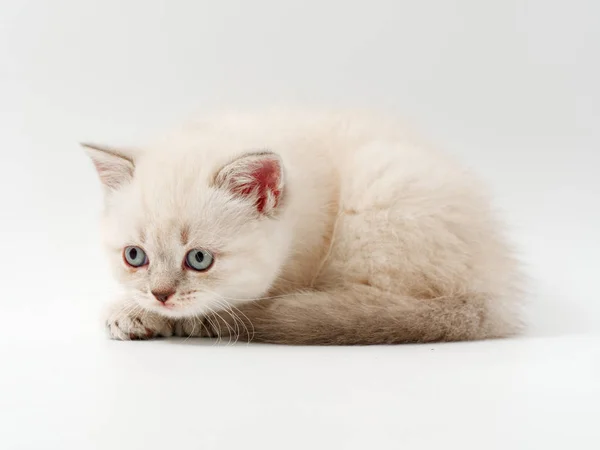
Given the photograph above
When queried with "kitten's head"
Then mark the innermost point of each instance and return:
(187, 233)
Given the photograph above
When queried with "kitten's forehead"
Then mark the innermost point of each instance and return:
(166, 216)
(172, 227)
(164, 234)
(172, 203)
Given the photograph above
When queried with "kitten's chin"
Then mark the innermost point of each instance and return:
(174, 311)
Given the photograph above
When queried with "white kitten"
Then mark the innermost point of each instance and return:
(303, 229)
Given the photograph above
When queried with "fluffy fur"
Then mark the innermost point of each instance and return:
(354, 234)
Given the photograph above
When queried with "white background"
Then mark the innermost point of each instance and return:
(509, 86)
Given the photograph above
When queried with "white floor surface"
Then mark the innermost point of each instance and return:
(70, 391)
(509, 87)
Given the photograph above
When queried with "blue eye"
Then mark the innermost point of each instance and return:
(135, 256)
(198, 259)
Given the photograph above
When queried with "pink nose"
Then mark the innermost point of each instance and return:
(162, 295)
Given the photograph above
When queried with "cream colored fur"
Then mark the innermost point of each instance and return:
(375, 239)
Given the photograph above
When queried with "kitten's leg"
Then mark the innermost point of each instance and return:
(362, 315)
(126, 320)
(192, 327)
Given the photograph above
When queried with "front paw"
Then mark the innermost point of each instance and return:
(127, 324)
(191, 327)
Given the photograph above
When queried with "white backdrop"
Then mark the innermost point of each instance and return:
(511, 86)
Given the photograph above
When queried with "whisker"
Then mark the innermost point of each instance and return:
(229, 329)
(217, 329)
(193, 321)
(236, 319)
(249, 334)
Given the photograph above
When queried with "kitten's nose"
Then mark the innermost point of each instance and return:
(163, 295)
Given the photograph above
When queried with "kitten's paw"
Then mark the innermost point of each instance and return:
(194, 327)
(125, 326)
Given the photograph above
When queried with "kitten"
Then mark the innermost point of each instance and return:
(302, 229)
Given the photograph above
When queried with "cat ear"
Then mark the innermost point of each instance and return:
(114, 167)
(257, 177)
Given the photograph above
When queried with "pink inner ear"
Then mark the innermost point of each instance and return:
(102, 167)
(264, 181)
(110, 174)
